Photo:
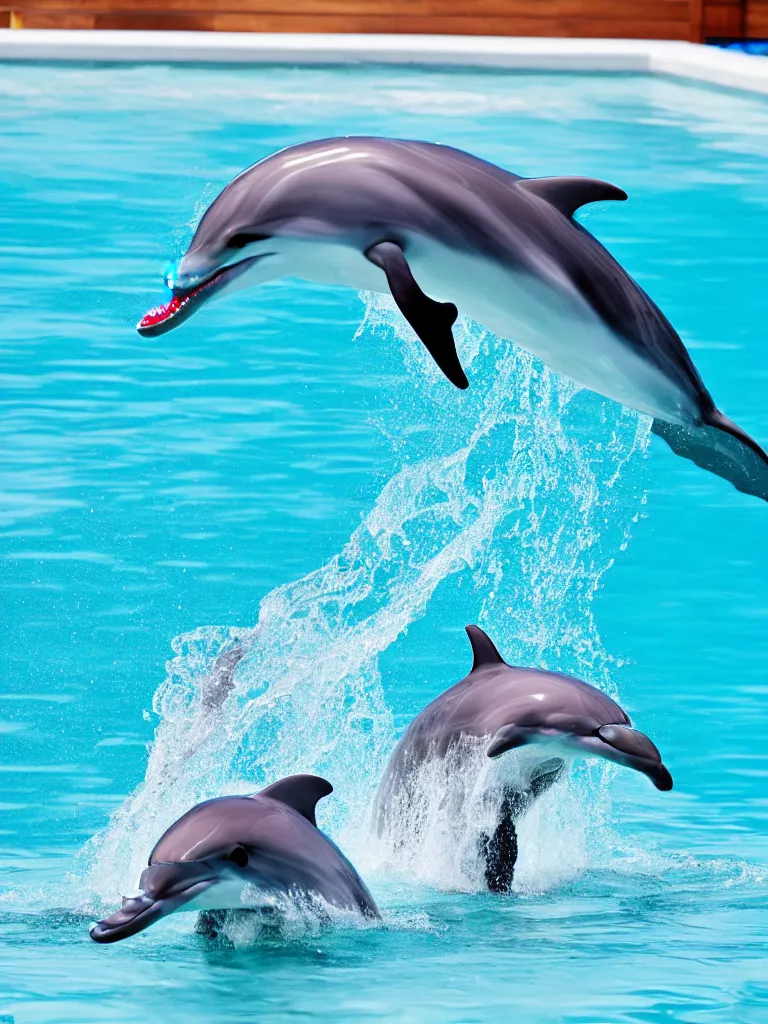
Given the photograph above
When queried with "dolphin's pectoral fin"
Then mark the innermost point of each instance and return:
(722, 448)
(499, 851)
(431, 320)
(568, 194)
(301, 792)
(545, 775)
(507, 738)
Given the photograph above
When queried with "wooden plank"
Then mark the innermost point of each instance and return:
(697, 21)
(33, 19)
(723, 18)
(390, 24)
(655, 19)
(756, 19)
(590, 10)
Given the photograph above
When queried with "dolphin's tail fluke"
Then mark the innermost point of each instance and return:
(721, 447)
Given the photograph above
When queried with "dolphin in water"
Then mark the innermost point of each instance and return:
(420, 219)
(269, 842)
(218, 686)
(499, 707)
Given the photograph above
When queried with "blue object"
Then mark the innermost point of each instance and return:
(757, 47)
(169, 275)
(216, 475)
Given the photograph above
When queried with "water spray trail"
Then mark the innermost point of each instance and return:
(519, 485)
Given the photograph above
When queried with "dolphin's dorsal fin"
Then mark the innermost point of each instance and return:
(300, 792)
(483, 648)
(568, 194)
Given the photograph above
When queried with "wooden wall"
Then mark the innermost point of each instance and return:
(631, 19)
(734, 19)
(722, 19)
(756, 21)
(652, 19)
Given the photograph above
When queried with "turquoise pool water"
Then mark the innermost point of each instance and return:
(290, 460)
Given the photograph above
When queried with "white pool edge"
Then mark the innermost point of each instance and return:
(686, 60)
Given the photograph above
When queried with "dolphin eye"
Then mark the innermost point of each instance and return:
(239, 857)
(242, 238)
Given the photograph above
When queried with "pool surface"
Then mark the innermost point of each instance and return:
(288, 470)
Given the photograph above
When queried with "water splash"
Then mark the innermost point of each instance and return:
(519, 486)
(434, 823)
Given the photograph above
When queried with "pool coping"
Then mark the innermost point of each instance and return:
(686, 60)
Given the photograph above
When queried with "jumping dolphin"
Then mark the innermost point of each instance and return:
(383, 214)
(268, 841)
(503, 708)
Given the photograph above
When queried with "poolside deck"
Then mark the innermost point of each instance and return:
(695, 20)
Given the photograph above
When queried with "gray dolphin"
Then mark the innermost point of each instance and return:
(381, 214)
(269, 841)
(559, 717)
(218, 686)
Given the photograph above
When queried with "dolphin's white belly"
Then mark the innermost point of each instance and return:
(229, 894)
(556, 324)
(516, 767)
(552, 322)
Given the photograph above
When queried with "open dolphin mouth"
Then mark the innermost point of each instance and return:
(140, 911)
(184, 303)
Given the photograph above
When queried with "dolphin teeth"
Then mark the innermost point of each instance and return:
(160, 313)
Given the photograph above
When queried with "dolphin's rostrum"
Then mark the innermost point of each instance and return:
(503, 708)
(269, 842)
(422, 219)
